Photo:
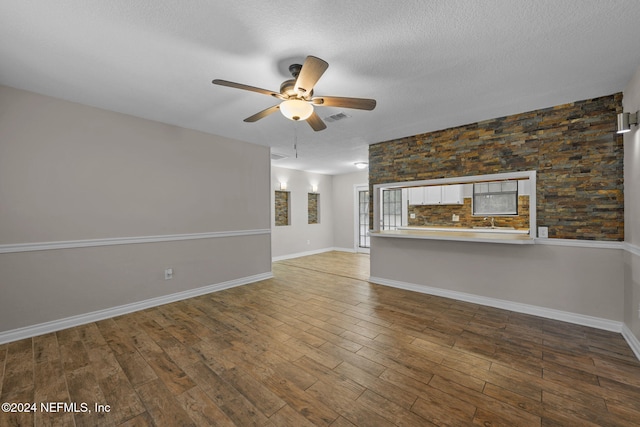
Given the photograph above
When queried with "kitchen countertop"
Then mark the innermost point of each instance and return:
(460, 236)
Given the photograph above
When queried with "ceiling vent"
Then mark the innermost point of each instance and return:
(275, 156)
(336, 117)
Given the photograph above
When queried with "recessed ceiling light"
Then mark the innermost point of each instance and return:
(361, 165)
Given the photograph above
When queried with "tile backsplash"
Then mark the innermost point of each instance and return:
(440, 215)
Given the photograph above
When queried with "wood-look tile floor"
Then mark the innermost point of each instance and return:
(319, 345)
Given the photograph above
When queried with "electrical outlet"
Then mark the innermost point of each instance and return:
(308, 242)
(455, 218)
(412, 216)
(543, 232)
(168, 274)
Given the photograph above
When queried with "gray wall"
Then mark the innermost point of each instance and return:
(579, 280)
(70, 173)
(631, 103)
(336, 230)
(300, 237)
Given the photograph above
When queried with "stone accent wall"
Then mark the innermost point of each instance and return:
(312, 208)
(573, 147)
(440, 215)
(282, 208)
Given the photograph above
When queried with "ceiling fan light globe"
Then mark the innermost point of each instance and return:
(296, 109)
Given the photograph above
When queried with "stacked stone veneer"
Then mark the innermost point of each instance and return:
(440, 215)
(312, 208)
(282, 208)
(573, 147)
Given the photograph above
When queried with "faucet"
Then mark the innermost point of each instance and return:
(492, 221)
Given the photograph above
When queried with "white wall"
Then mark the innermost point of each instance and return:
(631, 103)
(300, 237)
(73, 176)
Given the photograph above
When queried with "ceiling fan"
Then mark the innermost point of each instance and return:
(297, 95)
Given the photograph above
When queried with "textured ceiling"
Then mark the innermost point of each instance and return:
(429, 64)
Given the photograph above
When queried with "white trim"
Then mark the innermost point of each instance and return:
(350, 250)
(549, 313)
(356, 214)
(598, 244)
(631, 339)
(632, 249)
(71, 244)
(69, 322)
(461, 179)
(307, 253)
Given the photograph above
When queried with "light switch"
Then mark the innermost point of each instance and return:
(543, 232)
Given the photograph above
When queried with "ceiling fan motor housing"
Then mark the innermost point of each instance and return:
(287, 88)
(294, 69)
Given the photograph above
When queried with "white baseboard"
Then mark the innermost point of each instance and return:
(300, 254)
(631, 339)
(307, 253)
(350, 250)
(69, 322)
(549, 313)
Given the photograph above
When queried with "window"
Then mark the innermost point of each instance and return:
(495, 198)
(391, 209)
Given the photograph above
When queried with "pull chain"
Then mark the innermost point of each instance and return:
(295, 138)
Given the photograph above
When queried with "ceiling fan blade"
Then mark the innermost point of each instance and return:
(247, 87)
(316, 122)
(263, 113)
(312, 69)
(337, 101)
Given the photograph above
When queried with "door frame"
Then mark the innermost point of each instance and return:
(356, 204)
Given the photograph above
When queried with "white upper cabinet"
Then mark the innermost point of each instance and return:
(452, 195)
(436, 195)
(433, 195)
(416, 196)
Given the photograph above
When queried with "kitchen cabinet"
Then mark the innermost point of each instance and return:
(436, 195)
(416, 196)
(452, 195)
(433, 195)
